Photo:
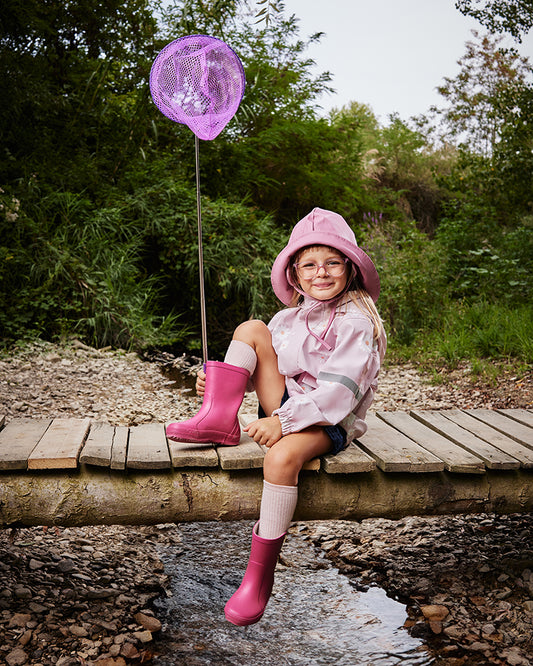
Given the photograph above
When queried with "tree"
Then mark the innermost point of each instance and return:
(512, 16)
(476, 116)
(73, 86)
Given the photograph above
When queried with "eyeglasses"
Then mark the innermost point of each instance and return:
(307, 270)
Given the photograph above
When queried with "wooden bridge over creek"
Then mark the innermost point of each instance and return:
(66, 471)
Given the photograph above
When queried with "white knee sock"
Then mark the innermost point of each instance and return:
(277, 508)
(241, 355)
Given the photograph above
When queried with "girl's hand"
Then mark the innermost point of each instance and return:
(265, 431)
(200, 383)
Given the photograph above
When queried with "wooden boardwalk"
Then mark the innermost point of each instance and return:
(419, 450)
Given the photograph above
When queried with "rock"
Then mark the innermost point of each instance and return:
(143, 636)
(78, 631)
(149, 622)
(22, 592)
(434, 613)
(129, 651)
(17, 657)
(19, 620)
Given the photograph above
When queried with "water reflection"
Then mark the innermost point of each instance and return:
(314, 617)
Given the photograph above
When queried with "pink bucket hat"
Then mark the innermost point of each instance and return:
(323, 227)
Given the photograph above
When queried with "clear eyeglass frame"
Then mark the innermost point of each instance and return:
(308, 270)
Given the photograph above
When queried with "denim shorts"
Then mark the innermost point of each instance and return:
(336, 433)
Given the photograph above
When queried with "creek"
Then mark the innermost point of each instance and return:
(314, 617)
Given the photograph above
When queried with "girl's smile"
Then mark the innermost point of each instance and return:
(323, 286)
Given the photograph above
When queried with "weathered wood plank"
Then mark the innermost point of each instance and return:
(17, 441)
(98, 446)
(190, 454)
(492, 457)
(60, 445)
(523, 416)
(246, 455)
(517, 431)
(119, 449)
(147, 447)
(352, 460)
(453, 457)
(394, 451)
(499, 440)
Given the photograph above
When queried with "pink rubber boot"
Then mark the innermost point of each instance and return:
(217, 420)
(248, 603)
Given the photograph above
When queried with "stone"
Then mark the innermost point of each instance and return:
(143, 636)
(434, 612)
(149, 622)
(19, 620)
(78, 631)
(129, 651)
(17, 657)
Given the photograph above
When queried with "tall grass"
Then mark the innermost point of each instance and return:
(481, 330)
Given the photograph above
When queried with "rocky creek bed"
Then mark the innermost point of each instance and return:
(86, 595)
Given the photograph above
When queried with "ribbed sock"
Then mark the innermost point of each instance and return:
(277, 509)
(241, 355)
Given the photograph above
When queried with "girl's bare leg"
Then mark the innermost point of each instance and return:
(284, 460)
(269, 384)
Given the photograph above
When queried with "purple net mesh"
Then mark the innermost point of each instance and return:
(198, 81)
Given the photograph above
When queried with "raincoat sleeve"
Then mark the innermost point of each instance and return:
(342, 380)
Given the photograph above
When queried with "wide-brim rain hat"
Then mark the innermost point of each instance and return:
(323, 227)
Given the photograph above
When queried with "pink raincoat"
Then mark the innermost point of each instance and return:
(330, 366)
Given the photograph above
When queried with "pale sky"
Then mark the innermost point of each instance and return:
(389, 54)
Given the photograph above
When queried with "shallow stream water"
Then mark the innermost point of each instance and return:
(314, 616)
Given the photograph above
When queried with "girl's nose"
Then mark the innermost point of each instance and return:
(321, 270)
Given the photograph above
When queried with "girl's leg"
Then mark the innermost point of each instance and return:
(285, 459)
(283, 462)
(250, 352)
(281, 467)
(269, 384)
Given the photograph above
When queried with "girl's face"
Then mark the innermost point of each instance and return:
(323, 285)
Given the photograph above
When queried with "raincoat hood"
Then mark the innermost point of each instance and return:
(322, 227)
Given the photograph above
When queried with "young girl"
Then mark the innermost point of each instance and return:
(314, 369)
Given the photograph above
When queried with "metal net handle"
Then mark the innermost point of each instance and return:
(200, 251)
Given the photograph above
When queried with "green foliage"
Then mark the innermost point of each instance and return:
(481, 330)
(68, 266)
(512, 16)
(481, 259)
(411, 283)
(98, 218)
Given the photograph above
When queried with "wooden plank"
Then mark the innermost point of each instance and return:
(477, 448)
(60, 445)
(454, 458)
(353, 460)
(523, 416)
(147, 447)
(494, 437)
(17, 441)
(394, 451)
(119, 449)
(246, 455)
(97, 449)
(517, 431)
(190, 454)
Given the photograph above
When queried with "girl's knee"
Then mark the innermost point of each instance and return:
(251, 331)
(280, 461)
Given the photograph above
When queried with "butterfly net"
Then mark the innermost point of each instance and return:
(198, 81)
